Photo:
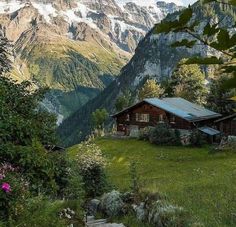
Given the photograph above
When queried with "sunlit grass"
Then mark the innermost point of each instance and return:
(203, 183)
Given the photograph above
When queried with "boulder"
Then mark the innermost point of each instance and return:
(112, 203)
(140, 211)
(93, 206)
(163, 214)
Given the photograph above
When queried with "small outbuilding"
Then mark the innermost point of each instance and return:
(227, 125)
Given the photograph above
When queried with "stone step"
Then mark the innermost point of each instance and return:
(90, 218)
(97, 222)
(107, 225)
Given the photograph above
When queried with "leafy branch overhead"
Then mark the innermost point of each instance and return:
(213, 35)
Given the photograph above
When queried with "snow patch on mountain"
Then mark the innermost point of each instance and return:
(147, 3)
(46, 10)
(10, 6)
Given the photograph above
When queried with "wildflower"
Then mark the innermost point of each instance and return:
(2, 176)
(6, 187)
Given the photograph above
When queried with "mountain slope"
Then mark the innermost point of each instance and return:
(154, 58)
(69, 45)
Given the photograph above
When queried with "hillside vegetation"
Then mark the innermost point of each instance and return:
(203, 183)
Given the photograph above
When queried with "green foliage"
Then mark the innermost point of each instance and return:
(163, 135)
(212, 36)
(74, 187)
(196, 139)
(91, 165)
(99, 118)
(218, 98)
(184, 42)
(25, 130)
(41, 211)
(123, 101)
(202, 61)
(12, 200)
(5, 63)
(21, 118)
(188, 82)
(150, 90)
(135, 184)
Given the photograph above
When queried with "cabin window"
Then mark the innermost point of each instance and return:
(127, 117)
(160, 118)
(172, 119)
(142, 117)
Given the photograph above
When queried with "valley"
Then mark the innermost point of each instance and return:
(93, 39)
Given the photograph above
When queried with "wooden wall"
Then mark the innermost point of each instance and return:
(154, 113)
(228, 127)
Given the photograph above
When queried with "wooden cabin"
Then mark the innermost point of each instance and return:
(177, 112)
(227, 125)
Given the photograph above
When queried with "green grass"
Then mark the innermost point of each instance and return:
(203, 183)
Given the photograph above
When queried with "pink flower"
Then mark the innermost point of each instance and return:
(6, 187)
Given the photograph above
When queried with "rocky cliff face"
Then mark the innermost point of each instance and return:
(155, 58)
(77, 45)
(121, 22)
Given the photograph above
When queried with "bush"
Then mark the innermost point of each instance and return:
(74, 188)
(13, 192)
(144, 134)
(92, 169)
(39, 167)
(41, 211)
(135, 182)
(196, 139)
(164, 135)
(112, 204)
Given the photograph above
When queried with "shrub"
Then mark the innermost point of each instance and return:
(196, 139)
(144, 134)
(163, 135)
(91, 167)
(41, 211)
(36, 164)
(13, 192)
(135, 183)
(112, 203)
(74, 188)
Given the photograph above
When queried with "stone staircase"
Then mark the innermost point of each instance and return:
(92, 222)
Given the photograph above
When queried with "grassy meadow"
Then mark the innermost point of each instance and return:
(203, 183)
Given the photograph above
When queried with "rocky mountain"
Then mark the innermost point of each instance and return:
(75, 47)
(155, 58)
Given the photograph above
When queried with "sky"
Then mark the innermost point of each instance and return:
(151, 2)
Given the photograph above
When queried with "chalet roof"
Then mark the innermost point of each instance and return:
(179, 107)
(232, 116)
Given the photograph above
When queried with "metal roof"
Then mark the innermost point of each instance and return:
(183, 108)
(209, 131)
